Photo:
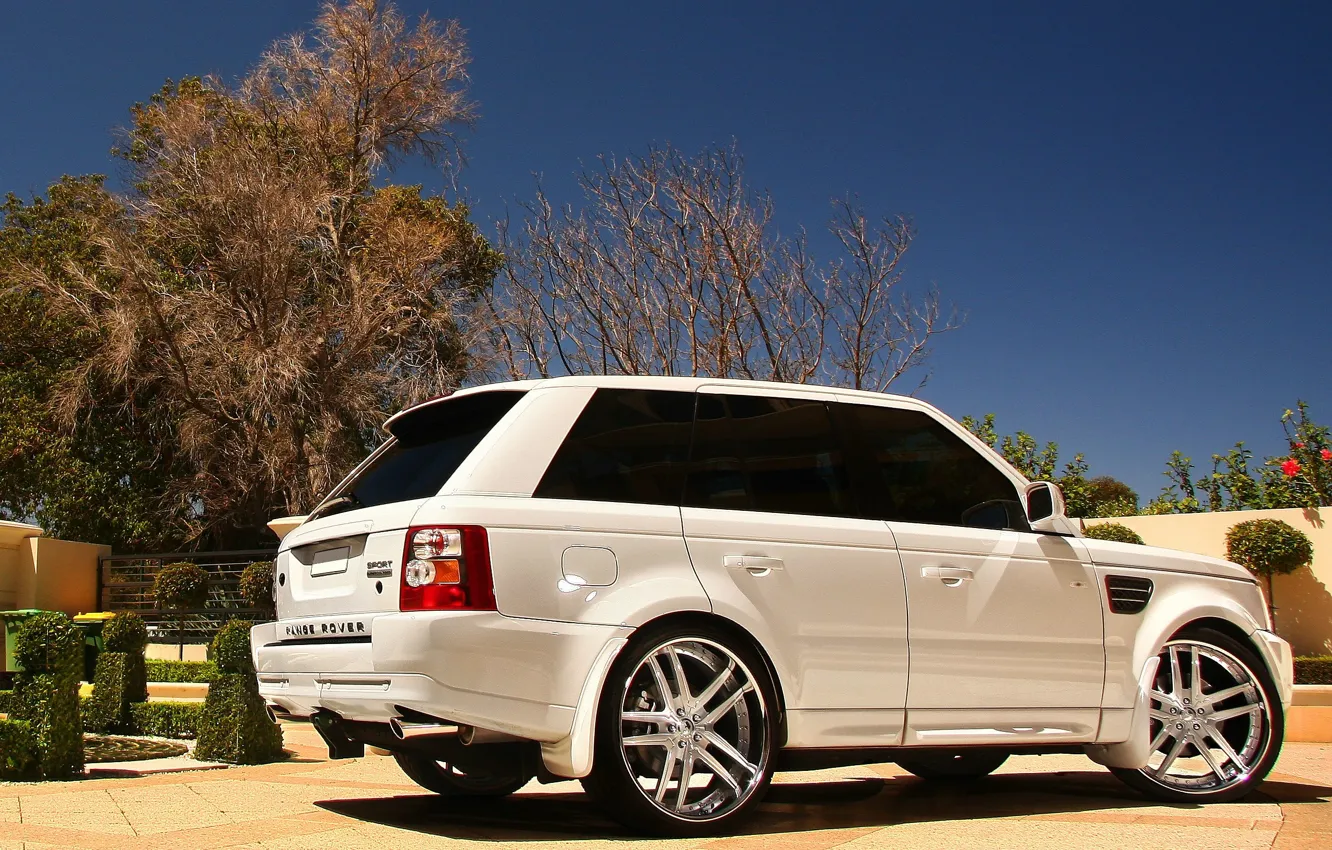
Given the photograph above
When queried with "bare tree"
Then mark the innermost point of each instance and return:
(273, 301)
(673, 266)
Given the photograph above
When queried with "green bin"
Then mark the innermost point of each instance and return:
(11, 622)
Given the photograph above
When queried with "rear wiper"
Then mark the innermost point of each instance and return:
(336, 506)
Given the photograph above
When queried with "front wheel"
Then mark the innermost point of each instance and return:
(449, 781)
(685, 732)
(1216, 722)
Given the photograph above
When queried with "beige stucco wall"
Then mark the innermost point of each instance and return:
(13, 536)
(1303, 598)
(41, 572)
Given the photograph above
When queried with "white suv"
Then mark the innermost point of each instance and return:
(670, 588)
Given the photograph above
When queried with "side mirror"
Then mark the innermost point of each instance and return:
(1045, 509)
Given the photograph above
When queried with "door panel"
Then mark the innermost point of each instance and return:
(1000, 619)
(824, 594)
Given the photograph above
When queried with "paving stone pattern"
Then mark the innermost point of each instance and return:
(309, 803)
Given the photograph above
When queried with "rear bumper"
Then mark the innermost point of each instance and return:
(477, 668)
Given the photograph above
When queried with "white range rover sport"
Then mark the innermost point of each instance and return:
(670, 588)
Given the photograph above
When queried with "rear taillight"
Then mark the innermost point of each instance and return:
(446, 568)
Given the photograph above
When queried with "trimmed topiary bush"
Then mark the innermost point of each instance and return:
(166, 719)
(20, 757)
(235, 727)
(1313, 670)
(181, 671)
(256, 585)
(1113, 531)
(181, 585)
(126, 633)
(6, 702)
(46, 693)
(1268, 547)
(107, 710)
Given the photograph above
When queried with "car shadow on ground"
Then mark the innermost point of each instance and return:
(789, 807)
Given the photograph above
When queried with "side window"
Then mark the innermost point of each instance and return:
(627, 446)
(767, 454)
(916, 470)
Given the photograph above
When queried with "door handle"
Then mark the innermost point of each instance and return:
(758, 565)
(951, 576)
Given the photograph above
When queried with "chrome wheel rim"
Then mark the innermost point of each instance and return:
(1210, 719)
(693, 729)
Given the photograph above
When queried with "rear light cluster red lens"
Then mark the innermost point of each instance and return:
(446, 568)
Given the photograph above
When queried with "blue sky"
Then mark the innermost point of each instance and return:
(1131, 202)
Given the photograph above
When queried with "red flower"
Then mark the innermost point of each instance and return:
(1327, 454)
(1299, 445)
(1291, 467)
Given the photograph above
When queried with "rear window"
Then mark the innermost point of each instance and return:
(429, 444)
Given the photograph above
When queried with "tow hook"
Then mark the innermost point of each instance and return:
(329, 727)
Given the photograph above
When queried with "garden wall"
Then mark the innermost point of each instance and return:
(1303, 598)
(42, 572)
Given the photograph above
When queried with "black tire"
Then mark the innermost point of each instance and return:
(750, 728)
(955, 766)
(448, 781)
(1267, 742)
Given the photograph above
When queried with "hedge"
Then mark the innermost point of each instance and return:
(1112, 531)
(20, 757)
(1313, 670)
(6, 702)
(182, 671)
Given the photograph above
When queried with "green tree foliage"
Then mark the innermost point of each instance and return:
(180, 585)
(1113, 531)
(1098, 497)
(100, 477)
(1302, 478)
(1268, 547)
(260, 299)
(256, 585)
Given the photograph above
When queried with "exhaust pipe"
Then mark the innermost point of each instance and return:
(469, 735)
(405, 730)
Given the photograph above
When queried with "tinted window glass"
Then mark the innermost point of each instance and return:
(916, 470)
(429, 445)
(627, 446)
(767, 454)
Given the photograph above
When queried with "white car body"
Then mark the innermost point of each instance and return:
(879, 633)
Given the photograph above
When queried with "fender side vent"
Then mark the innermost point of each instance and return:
(1128, 595)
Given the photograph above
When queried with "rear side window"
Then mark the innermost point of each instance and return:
(627, 446)
(779, 455)
(429, 444)
(913, 469)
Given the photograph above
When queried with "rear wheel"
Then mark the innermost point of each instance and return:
(1216, 721)
(957, 765)
(686, 730)
(446, 779)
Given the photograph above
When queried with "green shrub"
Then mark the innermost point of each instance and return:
(107, 710)
(256, 585)
(1112, 531)
(181, 671)
(126, 633)
(230, 649)
(46, 693)
(50, 704)
(166, 719)
(20, 757)
(1313, 670)
(235, 727)
(50, 643)
(6, 702)
(181, 585)
(1268, 547)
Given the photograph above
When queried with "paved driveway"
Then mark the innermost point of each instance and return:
(1032, 802)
